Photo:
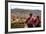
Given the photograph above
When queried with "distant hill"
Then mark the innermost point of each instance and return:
(23, 12)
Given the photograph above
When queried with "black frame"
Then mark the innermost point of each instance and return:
(6, 16)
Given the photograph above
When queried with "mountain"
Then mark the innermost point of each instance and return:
(23, 12)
